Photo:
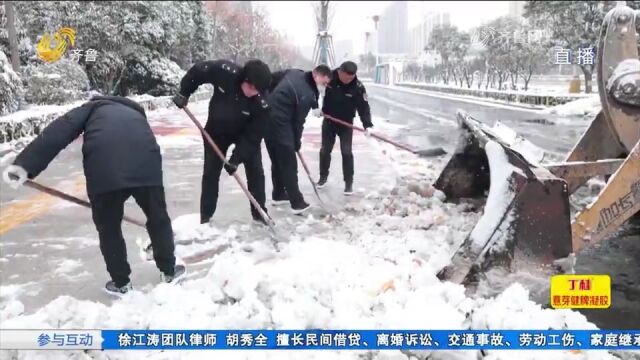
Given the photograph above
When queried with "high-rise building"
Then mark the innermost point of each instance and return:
(516, 9)
(420, 34)
(393, 35)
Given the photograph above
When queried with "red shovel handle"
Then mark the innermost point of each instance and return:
(380, 137)
(73, 199)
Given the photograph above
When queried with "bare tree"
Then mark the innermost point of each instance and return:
(13, 37)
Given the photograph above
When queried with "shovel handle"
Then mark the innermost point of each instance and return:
(380, 137)
(53, 192)
(217, 150)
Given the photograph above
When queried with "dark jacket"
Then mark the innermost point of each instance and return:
(232, 116)
(341, 101)
(276, 77)
(290, 103)
(119, 149)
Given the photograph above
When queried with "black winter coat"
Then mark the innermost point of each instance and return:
(119, 149)
(294, 95)
(232, 116)
(341, 101)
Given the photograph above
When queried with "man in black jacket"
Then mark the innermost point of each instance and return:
(291, 99)
(121, 159)
(237, 115)
(344, 95)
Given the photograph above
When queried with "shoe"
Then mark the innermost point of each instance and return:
(280, 199)
(300, 207)
(259, 220)
(322, 182)
(178, 272)
(348, 189)
(111, 288)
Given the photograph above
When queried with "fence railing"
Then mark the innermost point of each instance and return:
(540, 99)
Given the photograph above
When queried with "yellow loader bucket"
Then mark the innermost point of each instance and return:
(526, 218)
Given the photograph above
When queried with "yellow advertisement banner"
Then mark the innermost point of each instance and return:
(580, 291)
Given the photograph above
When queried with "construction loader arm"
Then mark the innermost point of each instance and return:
(618, 201)
(616, 129)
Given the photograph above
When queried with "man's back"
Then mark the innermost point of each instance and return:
(119, 146)
(119, 149)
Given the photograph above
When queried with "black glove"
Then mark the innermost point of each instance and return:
(230, 168)
(180, 100)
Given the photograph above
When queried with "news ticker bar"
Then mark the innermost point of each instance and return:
(320, 339)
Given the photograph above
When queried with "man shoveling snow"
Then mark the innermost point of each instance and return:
(121, 159)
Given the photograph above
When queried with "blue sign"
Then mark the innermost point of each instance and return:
(371, 339)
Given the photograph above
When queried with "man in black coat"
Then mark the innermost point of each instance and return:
(237, 115)
(121, 158)
(291, 99)
(344, 95)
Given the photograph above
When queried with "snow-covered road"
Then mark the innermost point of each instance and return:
(373, 268)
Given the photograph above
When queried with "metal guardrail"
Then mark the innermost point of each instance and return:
(514, 97)
(32, 126)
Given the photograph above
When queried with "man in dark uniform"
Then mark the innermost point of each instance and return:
(294, 94)
(121, 159)
(237, 115)
(344, 95)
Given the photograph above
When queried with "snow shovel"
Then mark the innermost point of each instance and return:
(422, 153)
(313, 184)
(527, 215)
(267, 219)
(53, 192)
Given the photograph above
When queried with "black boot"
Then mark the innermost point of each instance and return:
(322, 182)
(259, 220)
(178, 272)
(113, 289)
(300, 207)
(348, 188)
(280, 199)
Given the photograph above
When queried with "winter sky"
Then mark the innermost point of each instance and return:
(352, 19)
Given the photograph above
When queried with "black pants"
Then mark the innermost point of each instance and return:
(329, 132)
(213, 166)
(284, 171)
(108, 209)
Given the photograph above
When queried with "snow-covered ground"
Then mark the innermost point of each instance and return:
(372, 268)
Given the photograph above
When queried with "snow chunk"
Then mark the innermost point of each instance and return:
(68, 265)
(500, 195)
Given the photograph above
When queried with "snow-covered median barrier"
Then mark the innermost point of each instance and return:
(582, 107)
(376, 270)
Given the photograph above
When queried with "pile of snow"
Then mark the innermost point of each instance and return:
(59, 83)
(373, 269)
(10, 87)
(582, 107)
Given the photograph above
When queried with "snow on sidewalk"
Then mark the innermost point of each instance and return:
(377, 270)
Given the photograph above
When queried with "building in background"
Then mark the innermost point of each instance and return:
(516, 9)
(393, 34)
(421, 33)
